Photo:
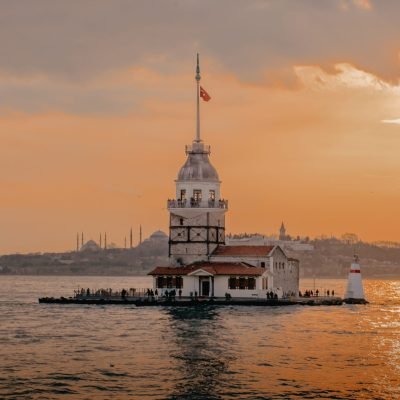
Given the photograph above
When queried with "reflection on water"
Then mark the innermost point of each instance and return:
(203, 357)
(114, 352)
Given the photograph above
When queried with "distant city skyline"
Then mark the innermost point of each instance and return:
(98, 101)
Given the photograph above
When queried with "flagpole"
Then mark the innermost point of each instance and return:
(198, 100)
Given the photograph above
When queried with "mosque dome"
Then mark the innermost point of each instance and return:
(198, 167)
(158, 235)
(91, 245)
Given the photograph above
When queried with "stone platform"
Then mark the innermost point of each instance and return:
(191, 302)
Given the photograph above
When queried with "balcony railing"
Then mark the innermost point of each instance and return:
(192, 203)
(198, 148)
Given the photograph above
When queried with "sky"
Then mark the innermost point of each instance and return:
(97, 101)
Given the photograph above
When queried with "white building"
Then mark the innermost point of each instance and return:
(201, 264)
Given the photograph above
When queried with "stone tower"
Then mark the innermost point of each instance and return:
(197, 214)
(282, 232)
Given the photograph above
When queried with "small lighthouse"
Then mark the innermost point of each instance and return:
(355, 291)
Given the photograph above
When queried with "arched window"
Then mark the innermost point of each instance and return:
(197, 194)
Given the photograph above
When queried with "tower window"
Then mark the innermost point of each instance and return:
(183, 194)
(212, 195)
(181, 221)
(197, 194)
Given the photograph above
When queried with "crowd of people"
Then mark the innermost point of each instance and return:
(171, 295)
(311, 293)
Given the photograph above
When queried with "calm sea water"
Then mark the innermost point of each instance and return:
(123, 352)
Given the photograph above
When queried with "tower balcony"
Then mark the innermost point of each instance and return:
(197, 148)
(218, 204)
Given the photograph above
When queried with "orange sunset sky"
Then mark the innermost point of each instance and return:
(97, 101)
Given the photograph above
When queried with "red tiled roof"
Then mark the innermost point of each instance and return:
(237, 251)
(213, 268)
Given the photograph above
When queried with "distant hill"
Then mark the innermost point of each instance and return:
(331, 257)
(92, 260)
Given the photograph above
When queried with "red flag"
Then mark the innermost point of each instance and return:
(204, 95)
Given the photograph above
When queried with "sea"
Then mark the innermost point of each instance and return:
(52, 351)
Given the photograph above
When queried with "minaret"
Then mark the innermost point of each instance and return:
(100, 241)
(131, 239)
(355, 291)
(140, 234)
(77, 241)
(282, 232)
(82, 239)
(197, 214)
(105, 240)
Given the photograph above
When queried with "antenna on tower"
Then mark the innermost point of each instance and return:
(198, 77)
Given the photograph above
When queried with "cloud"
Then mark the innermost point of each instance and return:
(78, 40)
(345, 76)
(362, 4)
(391, 121)
(365, 4)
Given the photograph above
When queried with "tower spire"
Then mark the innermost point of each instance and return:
(198, 140)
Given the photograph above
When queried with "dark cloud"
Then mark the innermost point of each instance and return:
(78, 39)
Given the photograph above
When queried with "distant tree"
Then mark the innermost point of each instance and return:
(349, 238)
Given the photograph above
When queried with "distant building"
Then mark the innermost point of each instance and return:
(201, 263)
(157, 236)
(282, 232)
(90, 246)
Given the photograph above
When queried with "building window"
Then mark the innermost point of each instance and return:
(242, 283)
(181, 221)
(197, 195)
(183, 194)
(251, 283)
(262, 264)
(232, 283)
(265, 283)
(212, 195)
(179, 282)
(160, 283)
(169, 282)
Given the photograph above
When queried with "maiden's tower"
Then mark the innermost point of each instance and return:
(200, 262)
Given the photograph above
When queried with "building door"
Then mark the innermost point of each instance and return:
(205, 288)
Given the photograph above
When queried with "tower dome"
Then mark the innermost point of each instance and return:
(198, 166)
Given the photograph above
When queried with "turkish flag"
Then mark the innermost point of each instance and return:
(204, 95)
